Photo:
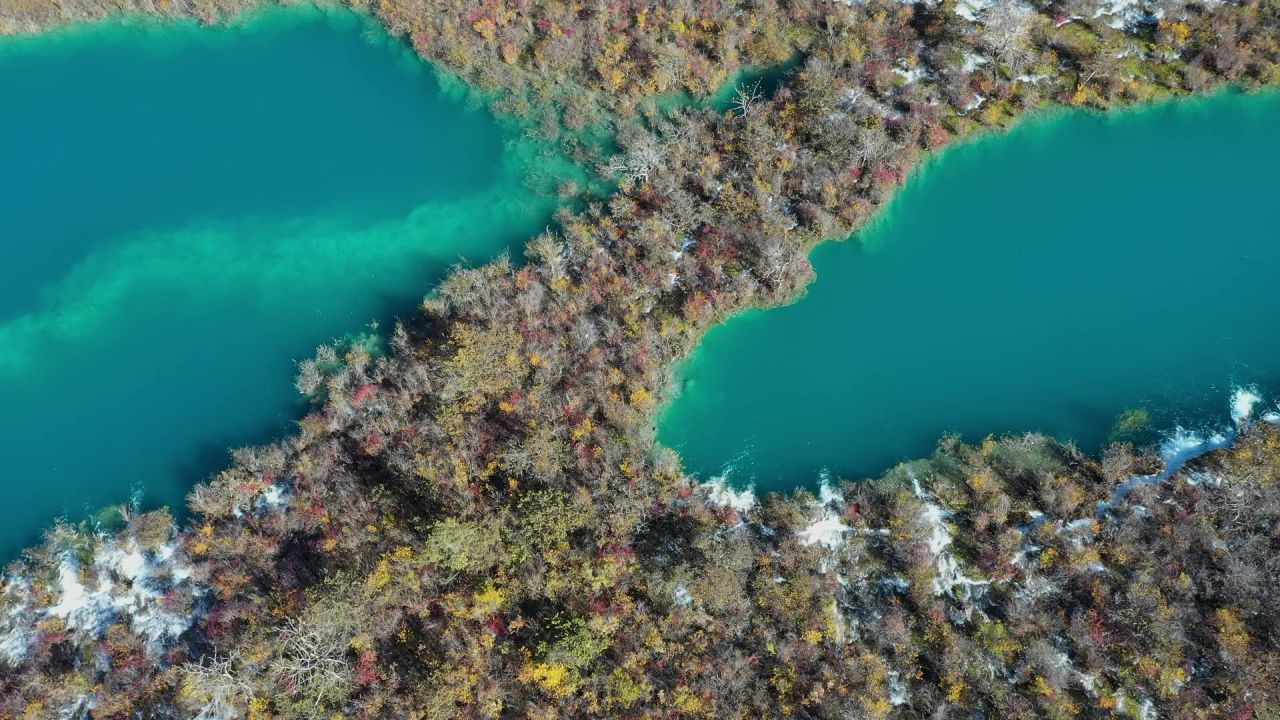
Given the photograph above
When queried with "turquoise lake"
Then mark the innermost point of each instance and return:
(187, 211)
(1047, 279)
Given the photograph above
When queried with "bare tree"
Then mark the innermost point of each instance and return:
(313, 665)
(309, 377)
(873, 145)
(1006, 29)
(776, 258)
(639, 160)
(215, 687)
(746, 98)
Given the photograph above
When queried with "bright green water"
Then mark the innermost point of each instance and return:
(185, 211)
(1047, 279)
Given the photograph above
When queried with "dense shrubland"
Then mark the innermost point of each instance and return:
(478, 523)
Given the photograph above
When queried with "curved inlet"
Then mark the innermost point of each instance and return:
(1049, 279)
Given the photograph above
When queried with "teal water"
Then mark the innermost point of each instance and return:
(1045, 280)
(186, 211)
(763, 80)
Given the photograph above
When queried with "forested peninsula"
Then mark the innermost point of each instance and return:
(480, 523)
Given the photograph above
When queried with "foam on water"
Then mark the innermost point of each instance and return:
(1181, 446)
(1243, 401)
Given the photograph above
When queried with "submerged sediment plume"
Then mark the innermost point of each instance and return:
(189, 210)
(479, 523)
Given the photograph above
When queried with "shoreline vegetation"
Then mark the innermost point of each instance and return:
(962, 234)
(145, 245)
(479, 524)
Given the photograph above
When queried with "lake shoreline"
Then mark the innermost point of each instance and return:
(478, 524)
(987, 193)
